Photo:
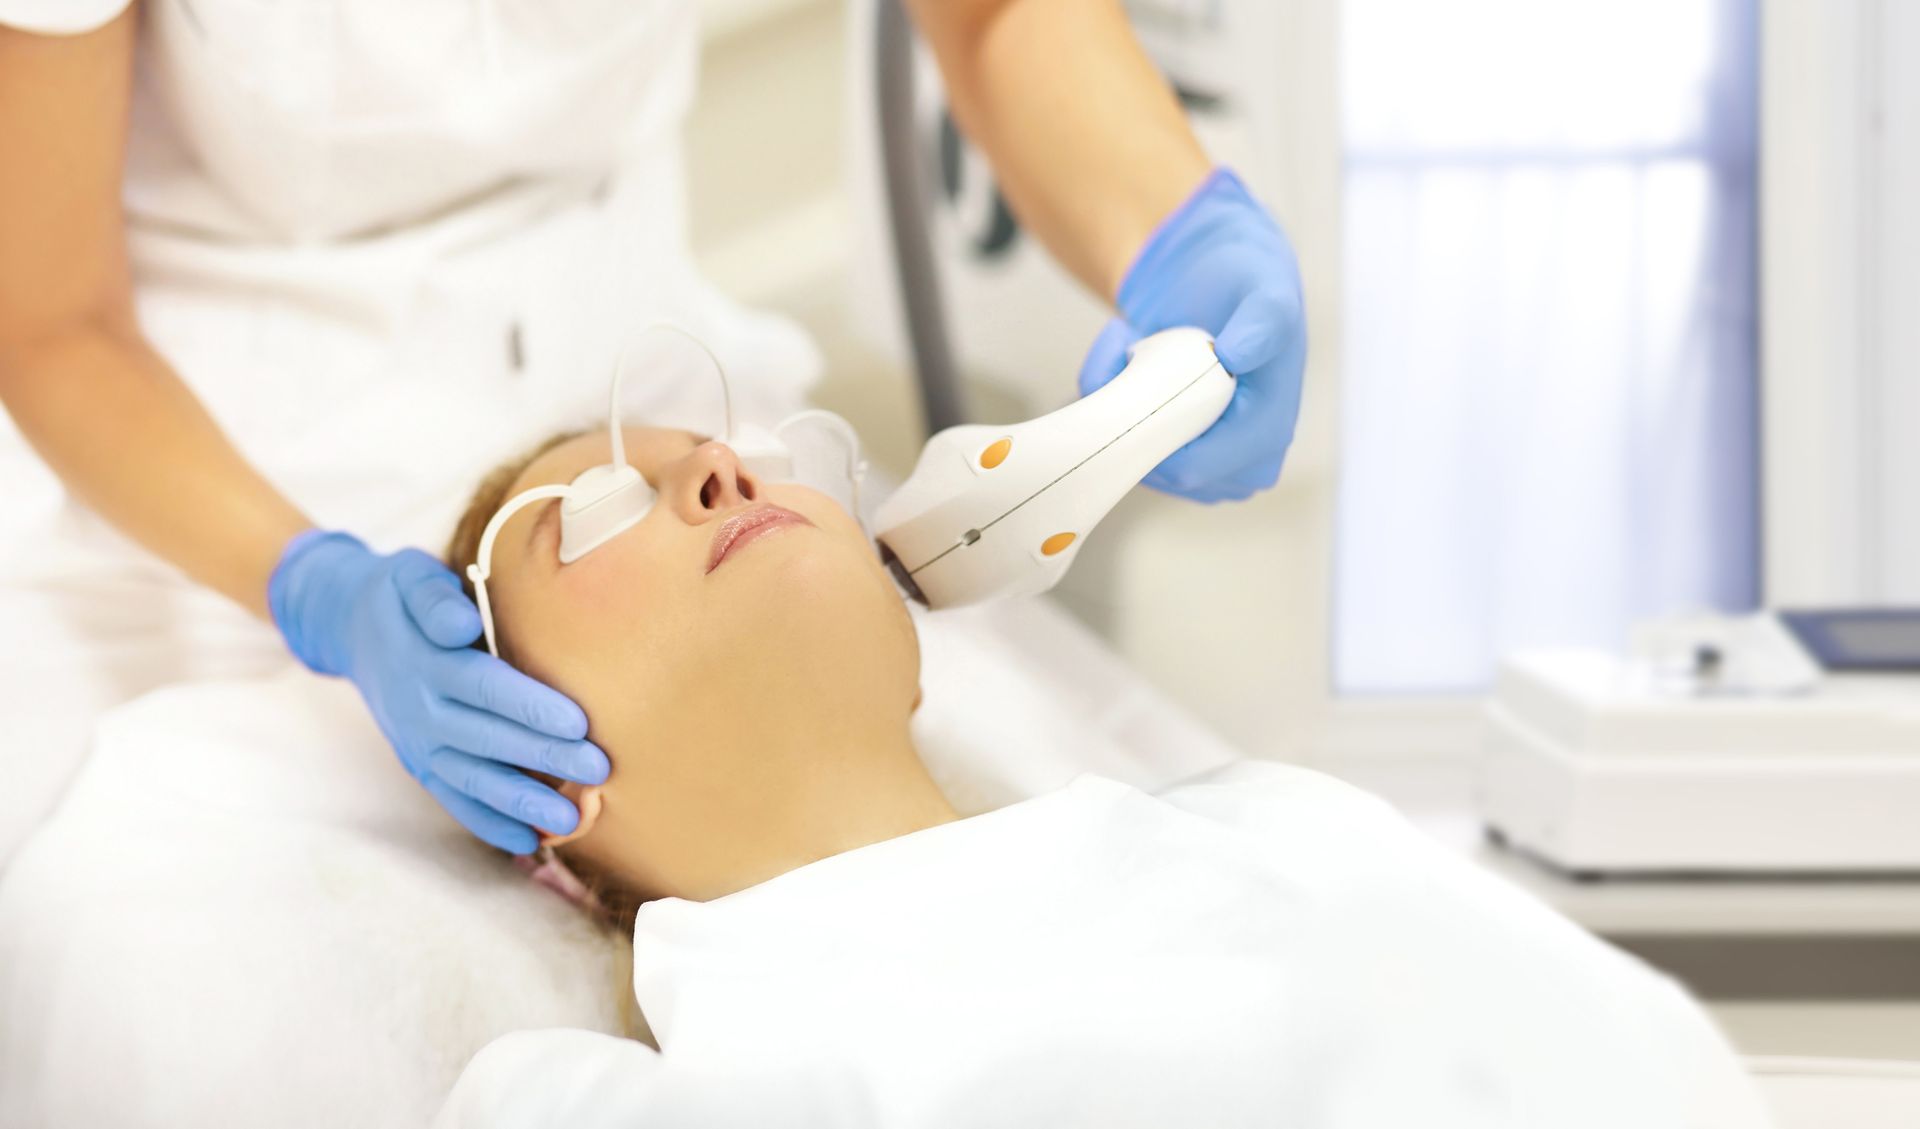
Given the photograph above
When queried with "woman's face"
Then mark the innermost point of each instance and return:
(734, 614)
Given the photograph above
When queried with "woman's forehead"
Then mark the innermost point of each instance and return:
(648, 448)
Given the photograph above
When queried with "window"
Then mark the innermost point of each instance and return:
(1548, 424)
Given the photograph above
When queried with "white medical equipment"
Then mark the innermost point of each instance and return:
(992, 511)
(1753, 745)
(816, 447)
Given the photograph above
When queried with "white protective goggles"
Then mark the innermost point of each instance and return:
(813, 448)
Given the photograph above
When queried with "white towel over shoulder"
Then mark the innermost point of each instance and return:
(1264, 946)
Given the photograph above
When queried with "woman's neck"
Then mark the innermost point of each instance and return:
(699, 816)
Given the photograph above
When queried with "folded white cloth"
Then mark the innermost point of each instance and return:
(1263, 946)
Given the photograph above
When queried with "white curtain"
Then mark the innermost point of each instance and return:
(1548, 412)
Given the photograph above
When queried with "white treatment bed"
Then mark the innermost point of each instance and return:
(243, 915)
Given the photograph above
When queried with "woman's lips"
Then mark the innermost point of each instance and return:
(749, 524)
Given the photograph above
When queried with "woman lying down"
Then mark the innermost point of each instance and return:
(821, 941)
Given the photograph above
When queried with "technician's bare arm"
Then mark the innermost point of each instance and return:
(101, 407)
(1088, 141)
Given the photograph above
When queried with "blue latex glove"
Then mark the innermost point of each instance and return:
(463, 722)
(1219, 262)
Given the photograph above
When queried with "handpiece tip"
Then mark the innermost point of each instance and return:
(901, 576)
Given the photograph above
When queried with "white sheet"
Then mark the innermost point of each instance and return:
(1265, 947)
(244, 914)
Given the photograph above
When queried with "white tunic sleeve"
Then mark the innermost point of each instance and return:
(587, 1080)
(59, 17)
(581, 1079)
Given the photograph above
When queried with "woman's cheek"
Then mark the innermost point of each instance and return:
(613, 581)
(589, 584)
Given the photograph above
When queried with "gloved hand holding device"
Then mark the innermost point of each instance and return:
(463, 722)
(1221, 263)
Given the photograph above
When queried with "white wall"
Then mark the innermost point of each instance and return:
(1840, 234)
(1897, 210)
(720, 18)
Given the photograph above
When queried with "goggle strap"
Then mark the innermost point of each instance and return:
(482, 566)
(719, 371)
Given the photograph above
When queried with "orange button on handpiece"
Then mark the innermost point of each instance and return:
(996, 453)
(1055, 544)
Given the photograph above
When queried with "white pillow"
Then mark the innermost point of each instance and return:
(244, 913)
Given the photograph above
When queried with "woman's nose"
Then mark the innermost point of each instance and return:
(709, 482)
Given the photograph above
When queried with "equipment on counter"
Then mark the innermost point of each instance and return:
(1747, 745)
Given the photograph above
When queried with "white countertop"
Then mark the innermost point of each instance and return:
(1437, 797)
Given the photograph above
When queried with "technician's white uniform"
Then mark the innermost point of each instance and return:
(1261, 947)
(387, 244)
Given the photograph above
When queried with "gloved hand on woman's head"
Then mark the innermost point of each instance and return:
(464, 723)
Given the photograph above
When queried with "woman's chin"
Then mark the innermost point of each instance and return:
(811, 594)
